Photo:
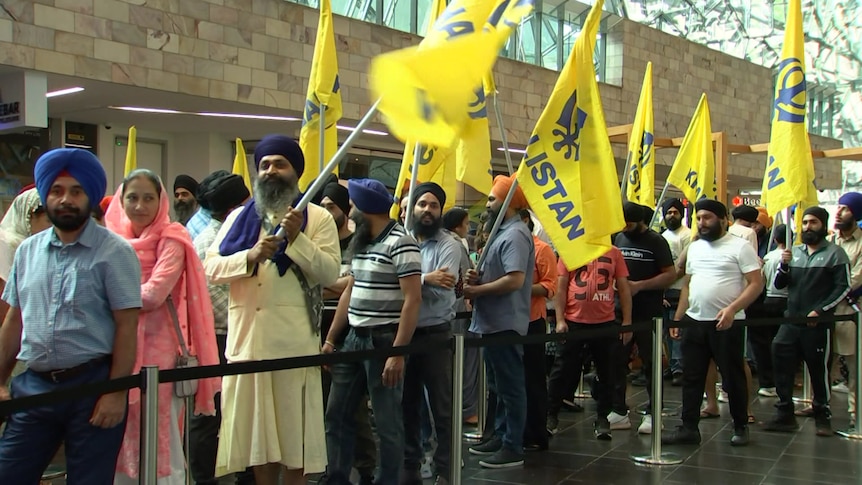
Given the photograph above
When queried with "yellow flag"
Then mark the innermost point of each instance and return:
(693, 170)
(240, 165)
(435, 165)
(568, 174)
(640, 186)
(131, 152)
(323, 89)
(426, 91)
(789, 177)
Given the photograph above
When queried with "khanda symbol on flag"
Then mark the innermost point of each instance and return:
(571, 129)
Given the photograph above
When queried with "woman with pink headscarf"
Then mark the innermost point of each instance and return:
(171, 269)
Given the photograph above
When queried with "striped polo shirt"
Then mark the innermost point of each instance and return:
(376, 298)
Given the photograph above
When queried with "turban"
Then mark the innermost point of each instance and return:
(819, 213)
(369, 196)
(280, 145)
(745, 213)
(221, 191)
(319, 195)
(780, 233)
(853, 201)
(433, 189)
(502, 184)
(763, 217)
(79, 164)
(633, 212)
(714, 206)
(187, 182)
(339, 195)
(675, 203)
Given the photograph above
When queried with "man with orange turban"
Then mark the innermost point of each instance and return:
(761, 228)
(500, 291)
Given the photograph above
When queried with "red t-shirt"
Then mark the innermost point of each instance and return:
(590, 295)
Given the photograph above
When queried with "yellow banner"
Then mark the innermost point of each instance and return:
(693, 170)
(131, 152)
(640, 185)
(435, 166)
(569, 174)
(789, 177)
(240, 165)
(323, 90)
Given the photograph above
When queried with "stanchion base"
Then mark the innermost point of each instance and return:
(802, 400)
(666, 458)
(473, 436)
(583, 395)
(851, 433)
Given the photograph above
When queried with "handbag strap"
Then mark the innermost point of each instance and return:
(313, 299)
(176, 319)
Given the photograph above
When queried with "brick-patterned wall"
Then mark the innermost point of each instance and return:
(259, 52)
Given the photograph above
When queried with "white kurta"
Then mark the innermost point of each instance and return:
(273, 417)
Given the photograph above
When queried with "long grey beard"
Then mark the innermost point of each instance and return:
(273, 197)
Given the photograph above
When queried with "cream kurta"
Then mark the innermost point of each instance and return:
(273, 417)
(844, 339)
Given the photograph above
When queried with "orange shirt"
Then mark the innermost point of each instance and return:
(590, 295)
(545, 274)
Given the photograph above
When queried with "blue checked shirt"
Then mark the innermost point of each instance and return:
(199, 221)
(66, 293)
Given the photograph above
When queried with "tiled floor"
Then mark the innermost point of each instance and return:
(575, 456)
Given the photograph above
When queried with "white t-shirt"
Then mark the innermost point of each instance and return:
(677, 240)
(745, 233)
(717, 272)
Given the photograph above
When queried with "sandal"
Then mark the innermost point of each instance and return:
(708, 415)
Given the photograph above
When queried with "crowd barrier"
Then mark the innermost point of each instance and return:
(150, 376)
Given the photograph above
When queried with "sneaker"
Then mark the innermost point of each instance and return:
(488, 447)
(823, 425)
(602, 429)
(503, 458)
(646, 425)
(619, 421)
(767, 392)
(782, 424)
(740, 436)
(677, 379)
(681, 436)
(425, 469)
(840, 387)
(552, 424)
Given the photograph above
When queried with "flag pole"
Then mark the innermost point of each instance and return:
(411, 193)
(788, 236)
(322, 126)
(503, 139)
(658, 204)
(625, 183)
(342, 150)
(497, 223)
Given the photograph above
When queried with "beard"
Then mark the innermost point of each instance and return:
(843, 225)
(813, 238)
(424, 230)
(72, 219)
(274, 194)
(361, 233)
(340, 221)
(710, 233)
(184, 210)
(673, 223)
(635, 233)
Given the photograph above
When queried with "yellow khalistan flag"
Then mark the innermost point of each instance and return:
(240, 165)
(693, 170)
(425, 91)
(640, 186)
(568, 174)
(131, 152)
(789, 177)
(323, 89)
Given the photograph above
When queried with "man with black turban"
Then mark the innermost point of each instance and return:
(678, 238)
(74, 294)
(185, 198)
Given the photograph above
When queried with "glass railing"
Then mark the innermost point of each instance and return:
(543, 39)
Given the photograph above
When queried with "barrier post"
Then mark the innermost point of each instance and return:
(149, 425)
(188, 408)
(656, 456)
(854, 431)
(481, 402)
(583, 391)
(806, 387)
(457, 408)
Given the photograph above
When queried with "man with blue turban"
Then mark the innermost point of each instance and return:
(75, 293)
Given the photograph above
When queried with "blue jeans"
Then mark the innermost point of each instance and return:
(505, 369)
(349, 383)
(33, 436)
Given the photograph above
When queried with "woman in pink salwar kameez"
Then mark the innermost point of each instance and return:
(169, 268)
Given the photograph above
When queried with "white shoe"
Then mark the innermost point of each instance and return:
(722, 396)
(646, 425)
(425, 469)
(840, 387)
(619, 421)
(767, 392)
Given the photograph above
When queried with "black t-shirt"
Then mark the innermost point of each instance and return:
(645, 257)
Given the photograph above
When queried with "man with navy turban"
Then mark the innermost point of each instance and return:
(74, 293)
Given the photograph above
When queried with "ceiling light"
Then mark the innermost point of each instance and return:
(75, 145)
(63, 92)
(249, 117)
(366, 130)
(512, 150)
(147, 110)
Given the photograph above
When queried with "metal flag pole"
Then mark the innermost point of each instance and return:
(656, 456)
(342, 150)
(149, 459)
(503, 138)
(457, 407)
(788, 235)
(322, 126)
(658, 204)
(497, 223)
(854, 431)
(411, 194)
(625, 183)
